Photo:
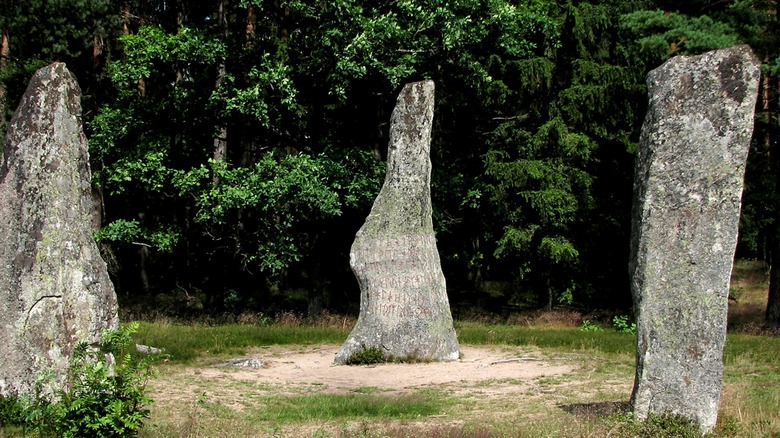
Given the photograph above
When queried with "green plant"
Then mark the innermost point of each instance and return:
(621, 325)
(184, 342)
(736, 293)
(11, 410)
(661, 426)
(588, 326)
(323, 407)
(367, 356)
(103, 396)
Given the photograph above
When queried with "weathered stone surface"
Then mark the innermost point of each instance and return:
(54, 286)
(404, 310)
(687, 195)
(249, 362)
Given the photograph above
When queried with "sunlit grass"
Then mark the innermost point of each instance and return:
(327, 407)
(749, 289)
(186, 342)
(592, 401)
(568, 338)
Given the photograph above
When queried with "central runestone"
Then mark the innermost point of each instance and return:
(404, 310)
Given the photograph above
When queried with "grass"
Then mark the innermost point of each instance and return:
(329, 407)
(562, 338)
(589, 401)
(592, 401)
(185, 342)
(749, 286)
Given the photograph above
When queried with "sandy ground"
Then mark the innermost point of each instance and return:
(314, 365)
(499, 385)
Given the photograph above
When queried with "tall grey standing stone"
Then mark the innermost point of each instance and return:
(404, 310)
(54, 286)
(687, 194)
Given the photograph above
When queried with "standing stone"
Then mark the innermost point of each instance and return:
(54, 286)
(404, 310)
(687, 195)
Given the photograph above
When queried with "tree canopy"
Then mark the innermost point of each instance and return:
(236, 147)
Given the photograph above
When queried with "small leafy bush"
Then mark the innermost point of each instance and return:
(366, 356)
(11, 411)
(588, 326)
(621, 325)
(657, 426)
(100, 398)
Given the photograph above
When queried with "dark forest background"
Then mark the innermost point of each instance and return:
(237, 146)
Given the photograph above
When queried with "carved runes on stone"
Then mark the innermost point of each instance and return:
(687, 194)
(54, 286)
(404, 310)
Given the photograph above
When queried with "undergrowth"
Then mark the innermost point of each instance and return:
(103, 394)
(326, 407)
(655, 426)
(366, 356)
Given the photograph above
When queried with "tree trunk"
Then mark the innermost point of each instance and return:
(772, 315)
(126, 31)
(404, 310)
(126, 19)
(549, 304)
(3, 56)
(251, 22)
(220, 142)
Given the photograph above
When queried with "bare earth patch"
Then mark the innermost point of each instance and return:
(490, 385)
(314, 366)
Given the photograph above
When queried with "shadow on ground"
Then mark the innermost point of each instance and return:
(594, 410)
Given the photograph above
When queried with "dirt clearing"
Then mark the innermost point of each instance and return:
(314, 366)
(489, 385)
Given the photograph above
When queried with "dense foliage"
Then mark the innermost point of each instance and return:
(237, 146)
(103, 395)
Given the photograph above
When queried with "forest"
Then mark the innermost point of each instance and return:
(237, 146)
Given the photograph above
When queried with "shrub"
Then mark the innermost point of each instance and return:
(588, 326)
(366, 356)
(621, 325)
(100, 398)
(11, 411)
(658, 426)
(671, 425)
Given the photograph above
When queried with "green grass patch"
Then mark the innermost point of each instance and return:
(559, 338)
(186, 342)
(761, 349)
(327, 407)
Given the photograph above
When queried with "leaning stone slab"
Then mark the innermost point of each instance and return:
(404, 310)
(54, 286)
(145, 349)
(687, 195)
(249, 362)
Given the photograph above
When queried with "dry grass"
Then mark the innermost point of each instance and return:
(589, 402)
(748, 297)
(569, 405)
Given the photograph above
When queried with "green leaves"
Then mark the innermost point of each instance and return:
(270, 93)
(271, 201)
(145, 50)
(104, 395)
(255, 147)
(131, 231)
(663, 34)
(269, 186)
